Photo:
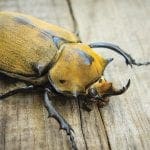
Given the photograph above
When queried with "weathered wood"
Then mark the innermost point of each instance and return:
(126, 118)
(124, 123)
(23, 118)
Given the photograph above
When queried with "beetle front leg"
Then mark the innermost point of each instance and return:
(52, 112)
(103, 102)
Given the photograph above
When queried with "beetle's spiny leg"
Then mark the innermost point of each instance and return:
(128, 59)
(62, 122)
(15, 91)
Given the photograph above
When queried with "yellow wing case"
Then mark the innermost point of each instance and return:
(25, 40)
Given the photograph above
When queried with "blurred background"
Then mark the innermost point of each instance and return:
(125, 122)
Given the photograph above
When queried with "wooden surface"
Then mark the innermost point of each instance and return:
(125, 122)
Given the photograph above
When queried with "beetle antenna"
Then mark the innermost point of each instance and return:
(128, 59)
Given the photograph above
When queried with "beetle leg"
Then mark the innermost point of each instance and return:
(52, 112)
(33, 80)
(128, 59)
(86, 107)
(103, 102)
(15, 91)
(85, 103)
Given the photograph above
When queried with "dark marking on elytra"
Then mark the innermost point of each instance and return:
(45, 34)
(48, 35)
(24, 21)
(87, 59)
(58, 41)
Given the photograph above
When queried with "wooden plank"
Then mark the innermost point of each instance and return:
(23, 119)
(126, 118)
(124, 124)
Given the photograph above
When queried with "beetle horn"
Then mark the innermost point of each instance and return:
(117, 92)
(128, 59)
(109, 60)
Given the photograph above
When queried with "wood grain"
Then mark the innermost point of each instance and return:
(24, 119)
(125, 122)
(126, 23)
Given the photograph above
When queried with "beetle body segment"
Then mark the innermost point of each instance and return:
(78, 67)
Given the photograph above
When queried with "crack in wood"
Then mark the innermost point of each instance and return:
(82, 130)
(105, 129)
(75, 24)
(115, 127)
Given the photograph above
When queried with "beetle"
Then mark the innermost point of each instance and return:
(53, 60)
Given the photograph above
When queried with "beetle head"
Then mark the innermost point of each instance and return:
(102, 89)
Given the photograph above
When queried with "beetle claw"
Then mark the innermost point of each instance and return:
(69, 130)
(65, 126)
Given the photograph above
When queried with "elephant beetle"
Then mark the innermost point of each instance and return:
(52, 60)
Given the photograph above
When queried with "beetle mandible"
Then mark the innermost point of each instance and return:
(51, 59)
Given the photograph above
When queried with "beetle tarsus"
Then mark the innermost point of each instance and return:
(128, 59)
(62, 122)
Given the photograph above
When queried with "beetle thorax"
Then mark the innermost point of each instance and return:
(78, 66)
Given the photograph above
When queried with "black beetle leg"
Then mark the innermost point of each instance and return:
(62, 122)
(15, 91)
(85, 103)
(103, 102)
(86, 107)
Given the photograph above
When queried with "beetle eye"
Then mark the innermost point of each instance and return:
(92, 92)
(62, 81)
